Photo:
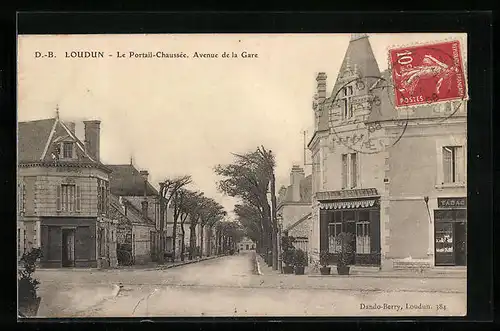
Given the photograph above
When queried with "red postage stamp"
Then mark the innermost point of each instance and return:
(430, 73)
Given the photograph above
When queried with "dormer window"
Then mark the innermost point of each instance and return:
(67, 149)
(346, 99)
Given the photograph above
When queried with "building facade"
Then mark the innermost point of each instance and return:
(246, 244)
(63, 191)
(395, 179)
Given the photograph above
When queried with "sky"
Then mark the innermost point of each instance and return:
(184, 116)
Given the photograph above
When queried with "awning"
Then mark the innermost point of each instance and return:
(347, 204)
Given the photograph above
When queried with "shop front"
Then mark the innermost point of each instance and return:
(359, 215)
(68, 242)
(450, 232)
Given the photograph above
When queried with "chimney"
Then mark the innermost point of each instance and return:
(296, 176)
(145, 208)
(71, 127)
(92, 138)
(321, 86)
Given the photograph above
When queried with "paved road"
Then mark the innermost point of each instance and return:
(228, 286)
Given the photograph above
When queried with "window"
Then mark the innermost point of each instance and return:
(67, 148)
(452, 164)
(68, 198)
(363, 233)
(334, 229)
(346, 97)
(103, 196)
(349, 170)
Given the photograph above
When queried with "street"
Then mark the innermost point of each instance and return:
(229, 286)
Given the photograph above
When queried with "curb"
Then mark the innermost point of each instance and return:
(257, 264)
(184, 263)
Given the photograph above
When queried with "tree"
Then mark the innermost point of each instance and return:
(249, 178)
(196, 208)
(190, 201)
(251, 221)
(212, 213)
(168, 188)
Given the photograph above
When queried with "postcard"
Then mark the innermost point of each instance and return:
(242, 175)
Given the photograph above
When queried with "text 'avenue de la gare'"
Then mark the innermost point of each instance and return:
(147, 55)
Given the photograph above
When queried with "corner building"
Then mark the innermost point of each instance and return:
(395, 178)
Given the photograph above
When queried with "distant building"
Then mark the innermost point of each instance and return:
(404, 200)
(63, 192)
(246, 244)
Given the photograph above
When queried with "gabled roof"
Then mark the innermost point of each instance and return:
(36, 141)
(291, 226)
(126, 180)
(358, 58)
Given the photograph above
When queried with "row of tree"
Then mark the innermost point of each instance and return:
(251, 179)
(199, 211)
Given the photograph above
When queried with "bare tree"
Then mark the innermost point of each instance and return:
(168, 188)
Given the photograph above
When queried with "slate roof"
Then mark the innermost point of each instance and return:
(32, 138)
(359, 54)
(36, 141)
(298, 223)
(126, 180)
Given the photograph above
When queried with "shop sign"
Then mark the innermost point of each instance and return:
(452, 202)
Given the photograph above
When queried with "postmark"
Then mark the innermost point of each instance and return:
(366, 104)
(429, 73)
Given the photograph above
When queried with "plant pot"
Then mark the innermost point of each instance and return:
(299, 270)
(29, 308)
(343, 270)
(325, 270)
(288, 269)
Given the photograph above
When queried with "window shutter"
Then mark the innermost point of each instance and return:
(23, 195)
(58, 198)
(375, 231)
(344, 171)
(447, 165)
(460, 166)
(78, 196)
(323, 233)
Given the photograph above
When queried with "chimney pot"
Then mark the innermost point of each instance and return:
(296, 176)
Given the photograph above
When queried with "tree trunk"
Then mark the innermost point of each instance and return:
(274, 224)
(161, 246)
(202, 235)
(192, 240)
(209, 241)
(174, 239)
(182, 240)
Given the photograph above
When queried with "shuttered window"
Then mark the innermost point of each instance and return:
(68, 198)
(453, 164)
(345, 172)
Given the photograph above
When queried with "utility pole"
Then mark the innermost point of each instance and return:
(162, 223)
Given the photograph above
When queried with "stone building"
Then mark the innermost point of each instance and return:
(63, 191)
(294, 207)
(246, 244)
(395, 179)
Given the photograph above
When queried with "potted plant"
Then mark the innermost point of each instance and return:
(288, 254)
(344, 240)
(323, 258)
(300, 261)
(27, 285)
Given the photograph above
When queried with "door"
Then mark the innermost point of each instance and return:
(350, 227)
(460, 243)
(68, 247)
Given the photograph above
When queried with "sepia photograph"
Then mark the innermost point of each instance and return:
(242, 175)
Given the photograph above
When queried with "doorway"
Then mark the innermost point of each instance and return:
(460, 243)
(68, 247)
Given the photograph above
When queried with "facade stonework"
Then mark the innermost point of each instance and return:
(407, 158)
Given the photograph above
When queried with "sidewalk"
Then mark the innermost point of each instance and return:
(146, 267)
(376, 273)
(365, 283)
